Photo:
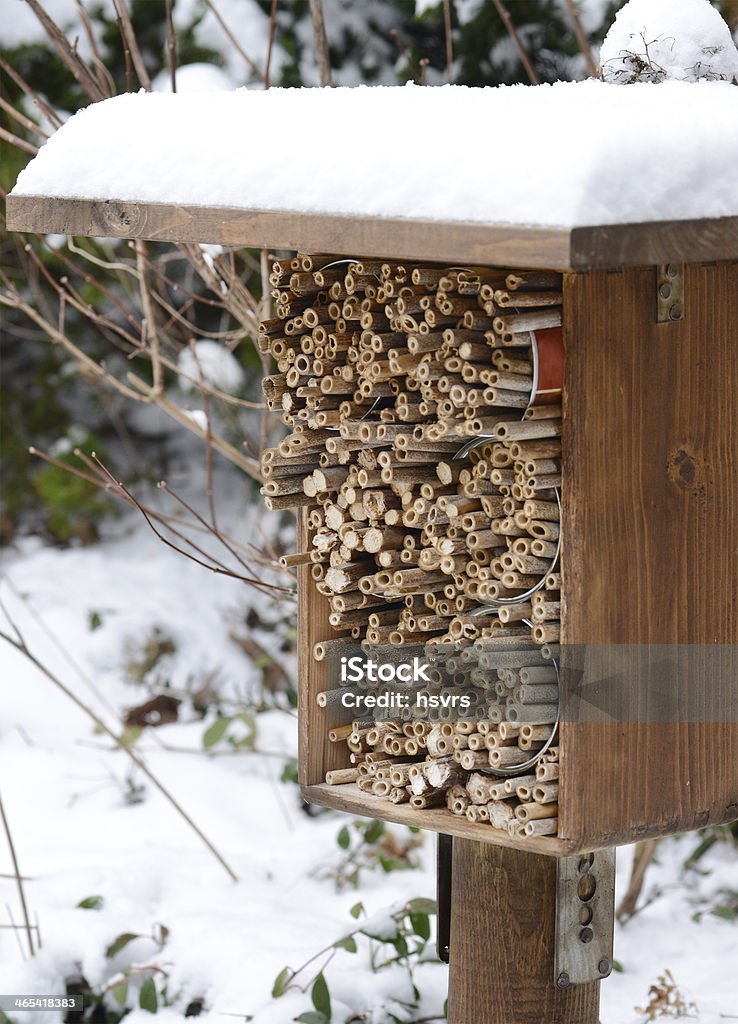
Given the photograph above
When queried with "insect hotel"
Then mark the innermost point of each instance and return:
(511, 451)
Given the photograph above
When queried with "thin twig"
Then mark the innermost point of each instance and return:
(171, 46)
(48, 112)
(21, 646)
(581, 36)
(449, 41)
(102, 74)
(514, 35)
(18, 142)
(79, 67)
(21, 118)
(233, 40)
(151, 332)
(217, 567)
(270, 43)
(322, 52)
(59, 645)
(18, 876)
(126, 27)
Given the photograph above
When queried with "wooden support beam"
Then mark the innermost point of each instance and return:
(503, 922)
(512, 245)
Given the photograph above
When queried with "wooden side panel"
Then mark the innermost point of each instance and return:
(316, 754)
(502, 942)
(650, 525)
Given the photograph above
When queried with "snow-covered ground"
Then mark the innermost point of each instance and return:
(86, 824)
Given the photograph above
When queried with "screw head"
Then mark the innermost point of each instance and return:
(604, 966)
(563, 980)
(675, 311)
(665, 290)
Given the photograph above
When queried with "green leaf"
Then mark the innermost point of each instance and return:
(313, 1017)
(421, 905)
(289, 772)
(618, 967)
(726, 913)
(94, 621)
(421, 925)
(130, 736)
(348, 943)
(119, 992)
(400, 945)
(321, 997)
(281, 982)
(344, 838)
(215, 732)
(374, 832)
(120, 943)
(92, 903)
(356, 910)
(147, 997)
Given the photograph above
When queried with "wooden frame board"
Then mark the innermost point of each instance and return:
(514, 245)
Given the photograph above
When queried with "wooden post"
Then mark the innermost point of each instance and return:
(503, 913)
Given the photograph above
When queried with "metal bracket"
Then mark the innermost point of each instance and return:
(443, 895)
(585, 917)
(670, 292)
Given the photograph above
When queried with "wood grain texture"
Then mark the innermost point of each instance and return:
(307, 232)
(515, 245)
(650, 527)
(502, 942)
(352, 801)
(316, 754)
(633, 245)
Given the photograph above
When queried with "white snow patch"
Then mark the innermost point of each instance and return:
(199, 77)
(663, 41)
(589, 153)
(19, 26)
(214, 363)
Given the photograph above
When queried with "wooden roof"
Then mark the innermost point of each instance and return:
(582, 248)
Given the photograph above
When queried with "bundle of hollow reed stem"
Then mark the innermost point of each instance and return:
(383, 373)
(442, 765)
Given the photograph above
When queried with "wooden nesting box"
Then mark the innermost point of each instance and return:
(649, 491)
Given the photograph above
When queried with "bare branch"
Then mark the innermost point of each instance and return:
(233, 40)
(126, 28)
(515, 36)
(21, 646)
(79, 67)
(582, 40)
(322, 53)
(49, 113)
(449, 40)
(270, 43)
(18, 878)
(18, 142)
(151, 332)
(21, 118)
(171, 46)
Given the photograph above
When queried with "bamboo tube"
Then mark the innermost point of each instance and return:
(341, 776)
(534, 811)
(542, 827)
(546, 792)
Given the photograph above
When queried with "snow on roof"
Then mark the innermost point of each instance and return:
(659, 40)
(570, 154)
